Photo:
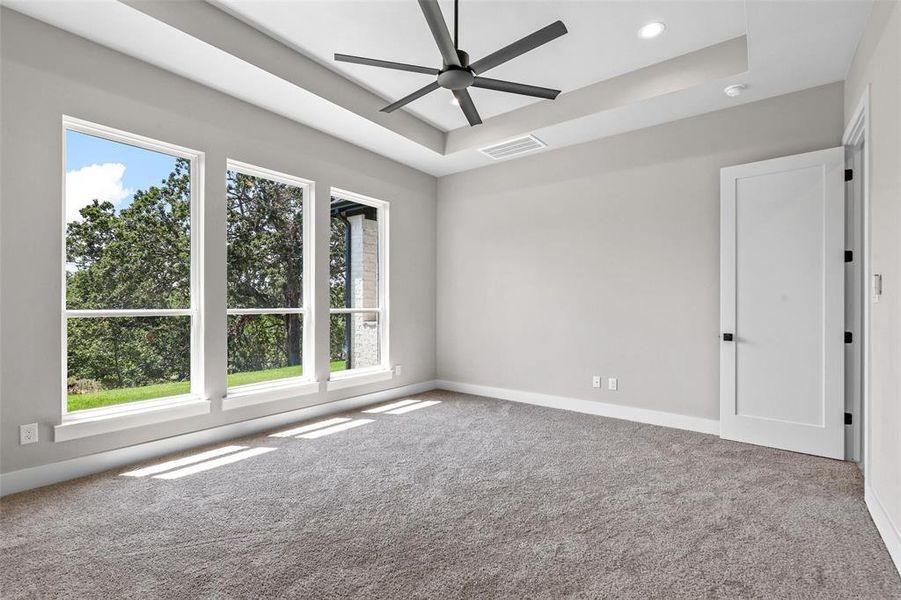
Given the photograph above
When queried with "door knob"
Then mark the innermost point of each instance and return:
(727, 337)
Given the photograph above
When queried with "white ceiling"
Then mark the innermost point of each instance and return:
(791, 45)
(602, 41)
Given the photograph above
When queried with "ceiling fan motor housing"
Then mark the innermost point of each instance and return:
(456, 78)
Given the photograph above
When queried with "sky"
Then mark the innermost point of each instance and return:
(100, 169)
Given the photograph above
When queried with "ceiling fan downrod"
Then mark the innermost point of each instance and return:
(456, 23)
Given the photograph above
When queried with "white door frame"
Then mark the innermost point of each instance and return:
(858, 131)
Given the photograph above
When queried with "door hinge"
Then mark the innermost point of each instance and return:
(849, 337)
(849, 255)
(849, 174)
(849, 419)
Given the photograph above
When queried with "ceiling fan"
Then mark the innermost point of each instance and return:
(457, 74)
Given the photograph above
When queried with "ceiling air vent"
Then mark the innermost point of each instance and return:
(520, 145)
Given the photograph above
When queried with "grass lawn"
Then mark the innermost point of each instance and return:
(163, 390)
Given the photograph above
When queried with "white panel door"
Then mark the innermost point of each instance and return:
(782, 303)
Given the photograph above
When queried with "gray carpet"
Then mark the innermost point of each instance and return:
(472, 497)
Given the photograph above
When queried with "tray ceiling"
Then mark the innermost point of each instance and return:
(602, 41)
(278, 55)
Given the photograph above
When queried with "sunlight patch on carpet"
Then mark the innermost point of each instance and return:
(311, 427)
(392, 406)
(212, 464)
(412, 407)
(181, 462)
(334, 429)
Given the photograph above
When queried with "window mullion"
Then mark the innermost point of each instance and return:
(265, 311)
(128, 312)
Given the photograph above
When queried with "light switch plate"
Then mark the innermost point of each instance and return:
(612, 384)
(596, 381)
(398, 370)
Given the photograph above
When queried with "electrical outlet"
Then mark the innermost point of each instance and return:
(596, 381)
(28, 434)
(612, 384)
(398, 370)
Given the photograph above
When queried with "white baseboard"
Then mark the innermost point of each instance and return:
(615, 411)
(887, 529)
(26, 479)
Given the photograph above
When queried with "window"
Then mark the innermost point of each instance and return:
(357, 284)
(266, 316)
(131, 329)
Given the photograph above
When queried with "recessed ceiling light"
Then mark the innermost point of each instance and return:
(651, 30)
(735, 90)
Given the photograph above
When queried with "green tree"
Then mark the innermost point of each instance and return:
(138, 257)
(265, 265)
(338, 286)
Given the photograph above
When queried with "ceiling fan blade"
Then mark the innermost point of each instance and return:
(407, 99)
(467, 106)
(385, 64)
(530, 42)
(514, 88)
(436, 22)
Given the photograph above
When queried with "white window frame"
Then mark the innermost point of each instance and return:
(289, 387)
(382, 371)
(130, 414)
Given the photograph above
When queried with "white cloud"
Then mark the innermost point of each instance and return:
(94, 182)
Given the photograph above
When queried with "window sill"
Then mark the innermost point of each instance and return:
(257, 393)
(87, 424)
(345, 379)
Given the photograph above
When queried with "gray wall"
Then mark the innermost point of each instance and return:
(603, 258)
(47, 73)
(600, 258)
(878, 63)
